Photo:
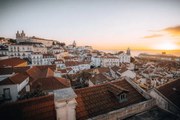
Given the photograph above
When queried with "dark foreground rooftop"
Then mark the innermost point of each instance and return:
(98, 100)
(154, 114)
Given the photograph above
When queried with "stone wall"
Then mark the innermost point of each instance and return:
(127, 111)
(139, 89)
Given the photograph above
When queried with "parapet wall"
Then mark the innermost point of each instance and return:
(127, 111)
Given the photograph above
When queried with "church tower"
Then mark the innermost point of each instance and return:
(128, 52)
(23, 34)
(18, 35)
(74, 44)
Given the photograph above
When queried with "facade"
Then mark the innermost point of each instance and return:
(124, 58)
(96, 61)
(21, 51)
(11, 86)
(60, 64)
(42, 59)
(109, 61)
(21, 37)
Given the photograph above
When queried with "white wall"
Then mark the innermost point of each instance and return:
(23, 84)
(2, 77)
(129, 74)
(13, 91)
(160, 101)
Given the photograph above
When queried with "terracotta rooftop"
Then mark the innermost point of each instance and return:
(171, 91)
(97, 100)
(71, 63)
(51, 83)
(115, 68)
(15, 79)
(123, 69)
(39, 72)
(53, 67)
(116, 90)
(103, 69)
(48, 56)
(99, 79)
(6, 71)
(10, 70)
(39, 108)
(11, 62)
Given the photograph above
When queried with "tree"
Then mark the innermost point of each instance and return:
(12, 41)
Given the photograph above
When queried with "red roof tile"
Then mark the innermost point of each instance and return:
(171, 91)
(11, 62)
(10, 70)
(40, 108)
(15, 79)
(99, 79)
(97, 100)
(103, 69)
(51, 83)
(37, 72)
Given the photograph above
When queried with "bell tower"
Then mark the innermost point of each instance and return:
(22, 34)
(128, 52)
(18, 35)
(74, 43)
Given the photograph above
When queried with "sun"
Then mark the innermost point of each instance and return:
(166, 46)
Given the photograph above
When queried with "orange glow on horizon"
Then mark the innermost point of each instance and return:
(166, 46)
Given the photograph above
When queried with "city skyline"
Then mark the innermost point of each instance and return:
(106, 25)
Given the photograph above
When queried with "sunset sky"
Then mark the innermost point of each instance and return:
(103, 24)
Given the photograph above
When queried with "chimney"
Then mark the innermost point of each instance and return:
(65, 104)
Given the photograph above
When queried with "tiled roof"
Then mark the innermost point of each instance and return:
(62, 70)
(116, 90)
(40, 108)
(99, 79)
(15, 79)
(51, 83)
(11, 62)
(103, 69)
(123, 69)
(71, 63)
(34, 73)
(171, 91)
(37, 72)
(20, 69)
(115, 68)
(48, 55)
(97, 100)
(6, 71)
(10, 70)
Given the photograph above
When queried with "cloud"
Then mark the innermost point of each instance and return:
(153, 36)
(175, 31)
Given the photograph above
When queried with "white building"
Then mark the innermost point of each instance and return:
(109, 61)
(11, 86)
(21, 37)
(96, 61)
(60, 64)
(75, 66)
(42, 59)
(124, 58)
(21, 51)
(25, 50)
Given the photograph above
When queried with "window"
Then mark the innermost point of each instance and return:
(123, 98)
(7, 94)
